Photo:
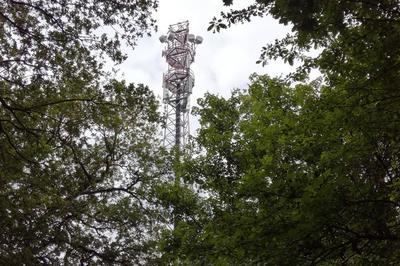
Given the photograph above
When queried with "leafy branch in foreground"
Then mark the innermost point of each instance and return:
(337, 29)
(50, 41)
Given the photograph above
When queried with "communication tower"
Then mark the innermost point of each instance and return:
(178, 82)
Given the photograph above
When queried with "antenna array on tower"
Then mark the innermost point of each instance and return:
(178, 83)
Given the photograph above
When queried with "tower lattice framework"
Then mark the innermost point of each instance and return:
(178, 82)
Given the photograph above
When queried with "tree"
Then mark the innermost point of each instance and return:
(290, 175)
(77, 152)
(302, 173)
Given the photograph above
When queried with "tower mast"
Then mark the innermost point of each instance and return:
(178, 83)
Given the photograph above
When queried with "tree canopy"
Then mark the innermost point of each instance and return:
(293, 176)
(298, 172)
(77, 148)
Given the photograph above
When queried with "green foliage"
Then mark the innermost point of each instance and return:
(345, 32)
(77, 149)
(50, 41)
(302, 173)
(75, 175)
(291, 175)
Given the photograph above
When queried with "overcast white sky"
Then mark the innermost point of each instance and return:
(223, 61)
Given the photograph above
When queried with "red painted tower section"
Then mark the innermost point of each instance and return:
(178, 83)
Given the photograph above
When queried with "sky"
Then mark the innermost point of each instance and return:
(224, 61)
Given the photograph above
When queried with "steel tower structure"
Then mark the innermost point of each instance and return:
(178, 82)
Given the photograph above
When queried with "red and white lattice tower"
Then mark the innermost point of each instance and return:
(178, 82)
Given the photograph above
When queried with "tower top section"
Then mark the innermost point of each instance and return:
(176, 29)
(178, 81)
(180, 50)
